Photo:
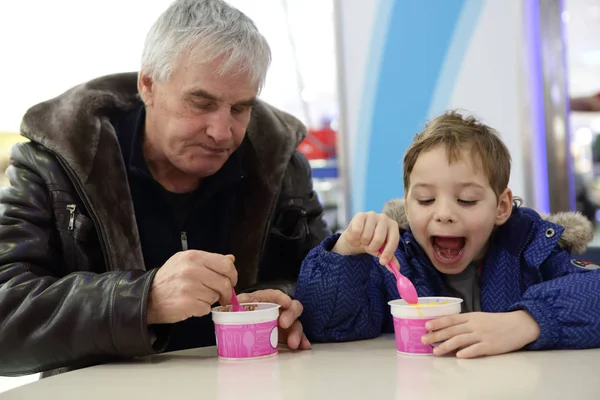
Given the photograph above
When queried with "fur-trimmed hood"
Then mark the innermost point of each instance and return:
(578, 231)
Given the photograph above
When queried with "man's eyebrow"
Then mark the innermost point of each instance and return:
(204, 94)
(209, 96)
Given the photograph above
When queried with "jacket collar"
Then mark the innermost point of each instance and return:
(76, 127)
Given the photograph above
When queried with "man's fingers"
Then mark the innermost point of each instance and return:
(305, 344)
(217, 283)
(290, 314)
(267, 296)
(246, 298)
(295, 334)
(206, 295)
(222, 265)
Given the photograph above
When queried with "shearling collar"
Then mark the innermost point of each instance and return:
(75, 126)
(71, 123)
(578, 231)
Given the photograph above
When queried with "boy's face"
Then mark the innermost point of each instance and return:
(452, 209)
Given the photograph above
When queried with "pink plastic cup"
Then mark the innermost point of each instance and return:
(410, 319)
(247, 334)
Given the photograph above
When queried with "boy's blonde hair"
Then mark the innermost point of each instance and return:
(456, 133)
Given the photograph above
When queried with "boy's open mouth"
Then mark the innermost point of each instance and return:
(447, 249)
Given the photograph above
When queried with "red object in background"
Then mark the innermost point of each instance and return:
(319, 144)
(589, 103)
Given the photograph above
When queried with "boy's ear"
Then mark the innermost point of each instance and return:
(504, 209)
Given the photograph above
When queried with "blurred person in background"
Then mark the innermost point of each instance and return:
(585, 103)
(584, 188)
(143, 198)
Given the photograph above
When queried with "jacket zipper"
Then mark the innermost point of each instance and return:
(184, 241)
(71, 208)
(87, 204)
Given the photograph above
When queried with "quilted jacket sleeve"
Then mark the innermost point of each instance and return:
(50, 320)
(566, 304)
(344, 297)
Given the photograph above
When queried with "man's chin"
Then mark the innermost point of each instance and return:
(201, 169)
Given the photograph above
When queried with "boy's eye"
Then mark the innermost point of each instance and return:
(467, 202)
(425, 202)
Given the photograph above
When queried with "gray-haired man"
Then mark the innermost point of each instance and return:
(142, 199)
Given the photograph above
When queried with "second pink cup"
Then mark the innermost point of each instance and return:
(410, 320)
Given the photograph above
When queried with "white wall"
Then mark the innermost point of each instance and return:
(57, 44)
(49, 46)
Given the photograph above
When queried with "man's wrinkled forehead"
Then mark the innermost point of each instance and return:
(209, 81)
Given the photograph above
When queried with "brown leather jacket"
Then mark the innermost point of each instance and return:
(73, 286)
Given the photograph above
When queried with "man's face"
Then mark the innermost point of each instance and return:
(197, 118)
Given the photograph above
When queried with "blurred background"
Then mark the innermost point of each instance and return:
(364, 76)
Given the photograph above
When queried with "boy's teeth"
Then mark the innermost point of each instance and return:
(446, 254)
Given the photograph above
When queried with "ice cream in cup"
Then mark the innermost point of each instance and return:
(247, 334)
(409, 321)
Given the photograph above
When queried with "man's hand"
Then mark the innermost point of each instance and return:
(481, 334)
(188, 284)
(290, 329)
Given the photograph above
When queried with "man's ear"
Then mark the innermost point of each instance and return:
(145, 85)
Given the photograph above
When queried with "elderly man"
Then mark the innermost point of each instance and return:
(142, 199)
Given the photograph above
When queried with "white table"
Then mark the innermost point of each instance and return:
(361, 370)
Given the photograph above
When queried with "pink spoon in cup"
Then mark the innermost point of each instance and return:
(235, 303)
(406, 289)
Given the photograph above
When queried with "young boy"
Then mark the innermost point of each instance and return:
(461, 235)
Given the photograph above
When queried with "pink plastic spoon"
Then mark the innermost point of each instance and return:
(406, 289)
(235, 303)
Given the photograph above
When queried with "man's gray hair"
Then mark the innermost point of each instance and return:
(206, 29)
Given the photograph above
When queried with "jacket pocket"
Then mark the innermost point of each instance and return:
(290, 222)
(69, 218)
(286, 243)
(76, 230)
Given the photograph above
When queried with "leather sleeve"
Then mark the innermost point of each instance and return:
(297, 227)
(48, 319)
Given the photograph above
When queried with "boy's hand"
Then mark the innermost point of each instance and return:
(368, 233)
(482, 334)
